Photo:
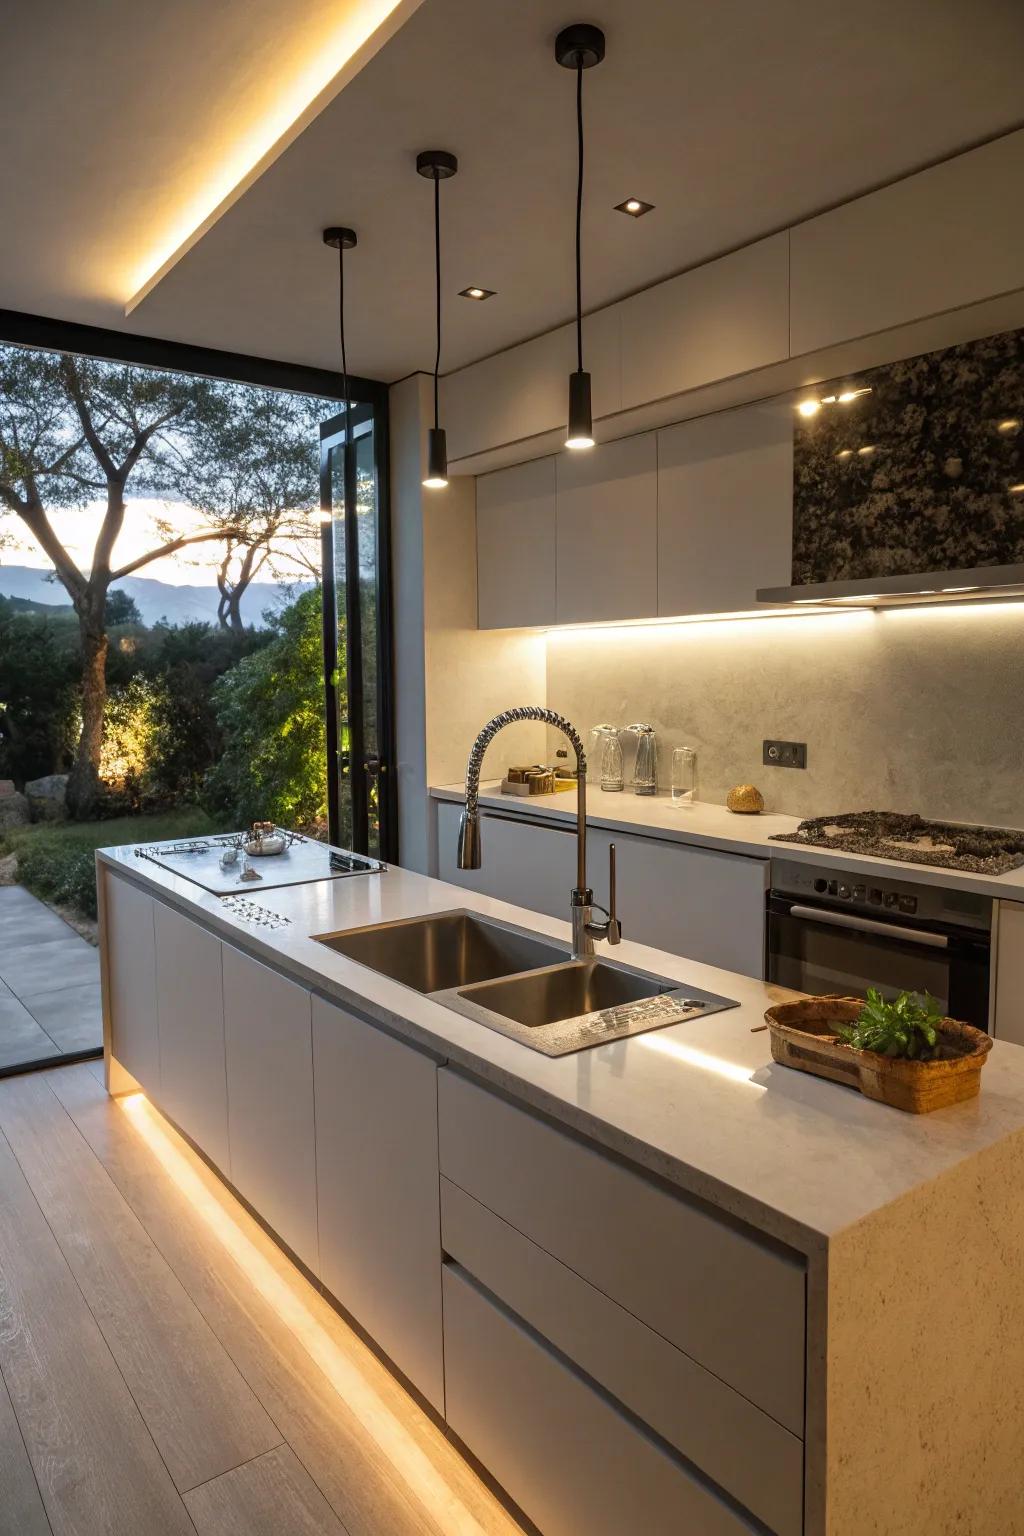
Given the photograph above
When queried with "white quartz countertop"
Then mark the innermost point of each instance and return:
(713, 826)
(700, 1104)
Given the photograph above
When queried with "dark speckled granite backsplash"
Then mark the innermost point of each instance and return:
(918, 474)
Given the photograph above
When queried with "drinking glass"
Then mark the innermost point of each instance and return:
(684, 776)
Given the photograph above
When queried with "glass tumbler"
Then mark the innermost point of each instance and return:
(684, 776)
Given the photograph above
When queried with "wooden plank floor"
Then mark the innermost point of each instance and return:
(164, 1369)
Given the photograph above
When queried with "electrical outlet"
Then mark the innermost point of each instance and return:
(784, 754)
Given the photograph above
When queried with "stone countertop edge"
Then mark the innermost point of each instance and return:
(794, 1157)
(705, 825)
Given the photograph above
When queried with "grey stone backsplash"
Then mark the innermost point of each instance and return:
(914, 710)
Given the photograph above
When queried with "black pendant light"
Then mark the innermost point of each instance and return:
(437, 165)
(579, 47)
(341, 240)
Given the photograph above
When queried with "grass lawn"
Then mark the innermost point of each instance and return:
(55, 860)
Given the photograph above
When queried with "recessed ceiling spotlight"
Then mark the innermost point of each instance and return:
(809, 407)
(635, 207)
(476, 293)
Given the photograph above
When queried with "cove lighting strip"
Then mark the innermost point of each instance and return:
(333, 60)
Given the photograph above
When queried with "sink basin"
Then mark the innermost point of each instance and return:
(566, 992)
(444, 951)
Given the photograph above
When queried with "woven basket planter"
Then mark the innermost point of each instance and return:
(803, 1036)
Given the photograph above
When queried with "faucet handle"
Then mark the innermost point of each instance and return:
(614, 926)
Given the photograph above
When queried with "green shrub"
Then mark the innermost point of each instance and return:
(57, 863)
(270, 712)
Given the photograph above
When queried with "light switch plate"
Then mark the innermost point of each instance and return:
(784, 754)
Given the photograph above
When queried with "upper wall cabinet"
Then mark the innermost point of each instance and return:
(949, 236)
(725, 509)
(724, 318)
(523, 392)
(515, 546)
(606, 559)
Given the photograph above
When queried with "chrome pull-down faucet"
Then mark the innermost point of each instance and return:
(585, 928)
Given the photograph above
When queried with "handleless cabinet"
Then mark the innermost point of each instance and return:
(1008, 984)
(268, 1043)
(725, 509)
(530, 865)
(190, 1010)
(377, 1189)
(606, 561)
(130, 979)
(515, 546)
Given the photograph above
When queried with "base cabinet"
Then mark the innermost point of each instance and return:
(1008, 986)
(268, 1039)
(190, 1010)
(130, 943)
(377, 1189)
(562, 1449)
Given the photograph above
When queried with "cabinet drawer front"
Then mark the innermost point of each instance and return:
(568, 1458)
(736, 1445)
(729, 1301)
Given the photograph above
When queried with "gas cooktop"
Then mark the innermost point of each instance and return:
(913, 840)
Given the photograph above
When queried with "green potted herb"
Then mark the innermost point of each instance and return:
(908, 1026)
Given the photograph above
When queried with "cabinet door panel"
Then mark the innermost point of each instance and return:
(190, 1004)
(377, 1189)
(269, 1047)
(696, 902)
(607, 532)
(725, 509)
(947, 237)
(1008, 1014)
(724, 318)
(528, 865)
(131, 980)
(515, 546)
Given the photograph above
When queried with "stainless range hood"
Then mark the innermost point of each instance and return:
(988, 582)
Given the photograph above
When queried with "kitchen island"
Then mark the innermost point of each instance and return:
(660, 1285)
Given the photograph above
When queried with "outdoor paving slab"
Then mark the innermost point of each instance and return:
(51, 966)
(21, 1038)
(24, 926)
(72, 1017)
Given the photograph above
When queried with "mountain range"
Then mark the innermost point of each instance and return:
(155, 600)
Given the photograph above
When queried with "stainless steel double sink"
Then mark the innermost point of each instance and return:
(519, 984)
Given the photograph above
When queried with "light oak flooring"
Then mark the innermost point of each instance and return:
(164, 1368)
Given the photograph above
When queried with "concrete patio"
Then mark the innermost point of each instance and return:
(49, 984)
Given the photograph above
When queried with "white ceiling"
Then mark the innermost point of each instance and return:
(735, 119)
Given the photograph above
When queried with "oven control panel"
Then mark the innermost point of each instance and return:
(888, 899)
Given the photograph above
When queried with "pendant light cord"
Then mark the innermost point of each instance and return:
(579, 214)
(437, 289)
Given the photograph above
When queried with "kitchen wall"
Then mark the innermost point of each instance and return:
(913, 710)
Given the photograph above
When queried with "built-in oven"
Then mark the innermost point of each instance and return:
(832, 931)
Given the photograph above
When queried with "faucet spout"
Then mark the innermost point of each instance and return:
(584, 927)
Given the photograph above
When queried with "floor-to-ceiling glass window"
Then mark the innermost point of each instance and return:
(357, 631)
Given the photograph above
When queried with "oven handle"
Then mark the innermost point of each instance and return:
(866, 925)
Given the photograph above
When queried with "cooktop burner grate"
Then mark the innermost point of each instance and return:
(913, 840)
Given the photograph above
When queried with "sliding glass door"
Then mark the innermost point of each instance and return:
(357, 632)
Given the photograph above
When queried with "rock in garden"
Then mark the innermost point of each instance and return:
(14, 811)
(46, 797)
(6, 787)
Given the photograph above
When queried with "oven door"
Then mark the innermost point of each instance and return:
(822, 949)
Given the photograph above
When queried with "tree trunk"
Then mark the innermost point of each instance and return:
(235, 609)
(83, 792)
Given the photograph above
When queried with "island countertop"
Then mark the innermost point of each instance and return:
(700, 1104)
